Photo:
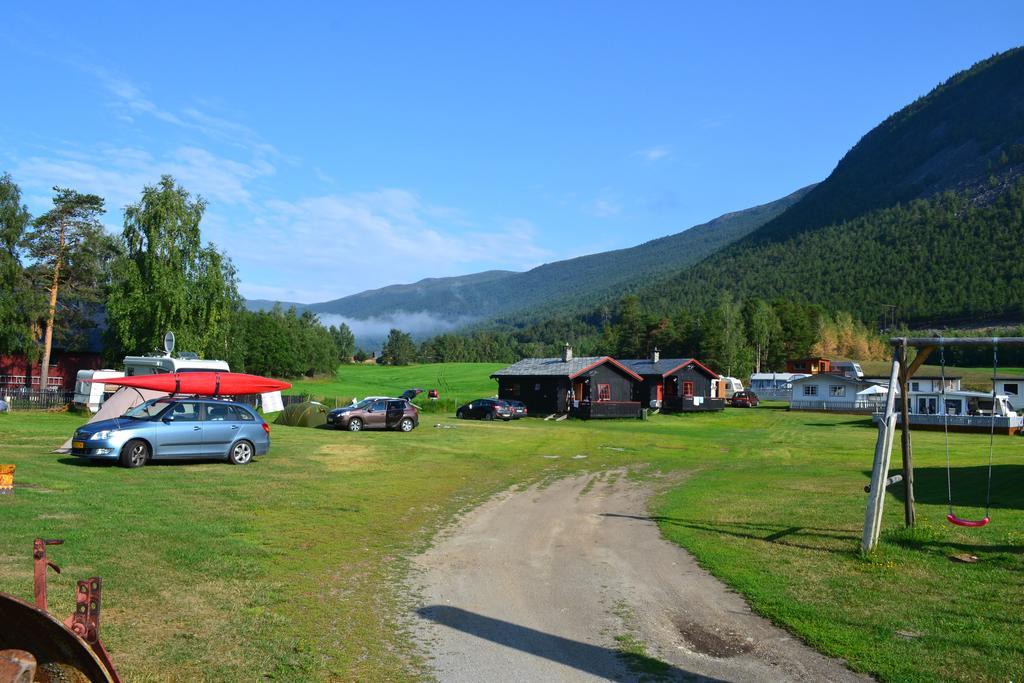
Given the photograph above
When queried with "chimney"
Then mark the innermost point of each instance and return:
(656, 356)
(567, 353)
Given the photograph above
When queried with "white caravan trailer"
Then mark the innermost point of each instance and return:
(725, 387)
(92, 394)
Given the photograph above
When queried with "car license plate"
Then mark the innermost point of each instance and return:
(78, 444)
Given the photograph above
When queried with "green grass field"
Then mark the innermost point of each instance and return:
(291, 568)
(456, 382)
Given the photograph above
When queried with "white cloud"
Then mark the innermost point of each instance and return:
(377, 238)
(119, 173)
(418, 324)
(131, 101)
(605, 207)
(653, 154)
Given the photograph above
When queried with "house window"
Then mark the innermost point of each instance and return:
(810, 390)
(1011, 389)
(915, 386)
(836, 390)
(687, 389)
(604, 392)
(515, 390)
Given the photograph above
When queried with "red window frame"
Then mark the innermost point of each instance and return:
(604, 392)
(687, 389)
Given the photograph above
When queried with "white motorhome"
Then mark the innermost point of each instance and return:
(161, 363)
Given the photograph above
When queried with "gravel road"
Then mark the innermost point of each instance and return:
(550, 583)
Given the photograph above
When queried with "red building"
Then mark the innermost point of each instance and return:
(17, 372)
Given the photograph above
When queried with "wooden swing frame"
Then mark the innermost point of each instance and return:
(900, 377)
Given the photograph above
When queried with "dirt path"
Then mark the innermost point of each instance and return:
(549, 583)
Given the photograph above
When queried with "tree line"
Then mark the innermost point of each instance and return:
(64, 275)
(734, 337)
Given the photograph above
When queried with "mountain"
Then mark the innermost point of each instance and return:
(926, 213)
(446, 297)
(572, 282)
(267, 304)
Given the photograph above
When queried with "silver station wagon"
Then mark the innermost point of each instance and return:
(176, 428)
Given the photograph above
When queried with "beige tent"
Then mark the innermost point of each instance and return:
(119, 403)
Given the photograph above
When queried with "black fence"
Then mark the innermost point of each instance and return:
(22, 399)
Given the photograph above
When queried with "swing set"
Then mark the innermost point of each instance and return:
(898, 383)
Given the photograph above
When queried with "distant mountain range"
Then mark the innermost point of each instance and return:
(571, 284)
(925, 213)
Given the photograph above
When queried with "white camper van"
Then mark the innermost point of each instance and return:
(157, 364)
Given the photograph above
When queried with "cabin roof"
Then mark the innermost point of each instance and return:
(664, 366)
(556, 367)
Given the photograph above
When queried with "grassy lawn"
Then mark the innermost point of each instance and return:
(456, 382)
(291, 568)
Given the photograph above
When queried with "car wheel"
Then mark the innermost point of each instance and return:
(406, 425)
(135, 453)
(241, 453)
(355, 425)
(488, 416)
(460, 414)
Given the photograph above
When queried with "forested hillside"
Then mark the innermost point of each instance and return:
(941, 259)
(966, 135)
(864, 238)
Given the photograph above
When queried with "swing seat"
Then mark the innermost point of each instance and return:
(953, 519)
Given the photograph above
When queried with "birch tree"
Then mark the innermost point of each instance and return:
(19, 305)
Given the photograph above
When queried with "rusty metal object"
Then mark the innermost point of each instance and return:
(17, 666)
(41, 563)
(68, 652)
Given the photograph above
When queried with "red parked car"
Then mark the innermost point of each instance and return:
(744, 399)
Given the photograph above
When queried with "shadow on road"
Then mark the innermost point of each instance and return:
(805, 537)
(592, 659)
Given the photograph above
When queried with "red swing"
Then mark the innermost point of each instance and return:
(951, 516)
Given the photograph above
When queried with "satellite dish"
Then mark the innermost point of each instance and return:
(169, 342)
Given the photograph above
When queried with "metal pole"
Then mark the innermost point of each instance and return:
(908, 456)
(919, 342)
(880, 467)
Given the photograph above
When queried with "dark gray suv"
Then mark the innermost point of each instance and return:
(376, 413)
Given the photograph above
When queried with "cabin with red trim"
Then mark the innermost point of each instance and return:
(588, 387)
(674, 384)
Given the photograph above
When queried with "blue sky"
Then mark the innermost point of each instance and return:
(345, 147)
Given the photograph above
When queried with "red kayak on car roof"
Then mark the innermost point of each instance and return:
(201, 383)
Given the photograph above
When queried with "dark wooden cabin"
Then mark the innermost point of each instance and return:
(674, 384)
(588, 387)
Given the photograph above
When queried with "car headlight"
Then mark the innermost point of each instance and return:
(99, 436)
